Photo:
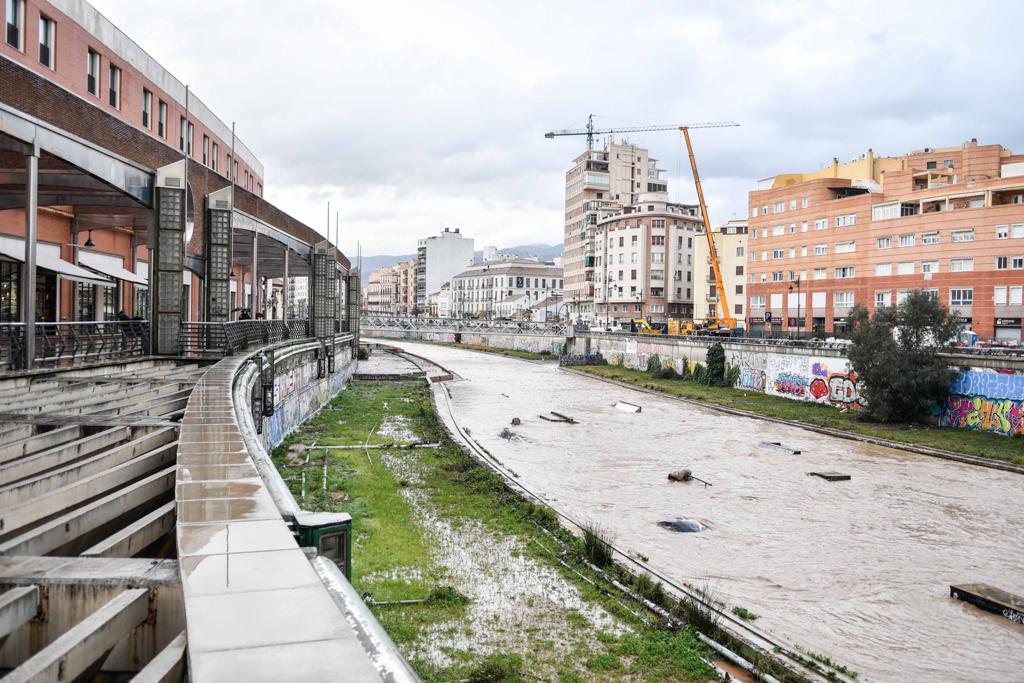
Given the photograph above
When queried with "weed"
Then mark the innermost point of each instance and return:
(596, 548)
(446, 596)
(745, 614)
(497, 668)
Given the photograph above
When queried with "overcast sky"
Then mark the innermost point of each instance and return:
(412, 116)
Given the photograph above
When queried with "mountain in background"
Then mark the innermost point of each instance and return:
(544, 252)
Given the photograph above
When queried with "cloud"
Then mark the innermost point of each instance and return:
(409, 116)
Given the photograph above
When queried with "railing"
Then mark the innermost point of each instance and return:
(223, 339)
(62, 344)
(410, 323)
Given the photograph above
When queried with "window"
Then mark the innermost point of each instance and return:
(905, 268)
(930, 237)
(206, 150)
(1002, 262)
(764, 210)
(844, 272)
(147, 107)
(948, 163)
(181, 135)
(10, 278)
(657, 257)
(999, 296)
(907, 240)
(803, 250)
(882, 212)
(842, 299)
(846, 220)
(962, 235)
(739, 251)
(929, 267)
(1016, 294)
(47, 40)
(803, 227)
(845, 247)
(632, 275)
(884, 243)
(883, 299)
(114, 85)
(792, 252)
(778, 230)
(15, 22)
(161, 119)
(1017, 263)
(1002, 232)
(753, 212)
(1017, 231)
(820, 274)
(931, 164)
(777, 276)
(820, 249)
(779, 207)
(961, 297)
(961, 265)
(821, 224)
(792, 228)
(93, 72)
(85, 302)
(805, 203)
(778, 253)
(753, 256)
(739, 270)
(883, 269)
(213, 157)
(792, 205)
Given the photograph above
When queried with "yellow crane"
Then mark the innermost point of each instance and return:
(724, 320)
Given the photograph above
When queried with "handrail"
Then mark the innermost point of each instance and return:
(412, 323)
(70, 343)
(217, 339)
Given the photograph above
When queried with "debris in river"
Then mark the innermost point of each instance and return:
(831, 476)
(778, 445)
(516, 422)
(508, 434)
(558, 417)
(990, 599)
(685, 526)
(685, 475)
(627, 407)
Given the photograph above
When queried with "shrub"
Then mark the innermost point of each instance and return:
(653, 364)
(667, 372)
(715, 373)
(732, 375)
(596, 548)
(363, 353)
(699, 373)
(497, 668)
(685, 373)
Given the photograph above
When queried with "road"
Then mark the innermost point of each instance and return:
(858, 570)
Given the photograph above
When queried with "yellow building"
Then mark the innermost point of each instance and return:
(730, 243)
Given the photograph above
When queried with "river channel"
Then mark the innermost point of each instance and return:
(858, 570)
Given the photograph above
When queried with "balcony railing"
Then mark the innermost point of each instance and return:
(71, 343)
(198, 339)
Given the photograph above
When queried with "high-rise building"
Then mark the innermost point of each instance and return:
(599, 180)
(642, 260)
(730, 245)
(438, 258)
(946, 220)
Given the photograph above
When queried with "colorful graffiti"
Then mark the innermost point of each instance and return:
(1000, 415)
(982, 383)
(751, 378)
(790, 384)
(840, 388)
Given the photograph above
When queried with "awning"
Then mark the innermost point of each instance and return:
(48, 258)
(109, 265)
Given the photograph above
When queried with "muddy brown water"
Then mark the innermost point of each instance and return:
(859, 570)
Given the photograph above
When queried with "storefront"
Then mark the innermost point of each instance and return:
(1008, 330)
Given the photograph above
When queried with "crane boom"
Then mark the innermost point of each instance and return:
(590, 131)
(725, 319)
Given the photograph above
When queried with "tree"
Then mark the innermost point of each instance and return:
(715, 373)
(895, 356)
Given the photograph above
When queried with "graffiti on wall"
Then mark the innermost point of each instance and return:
(986, 401)
(786, 375)
(833, 382)
(751, 378)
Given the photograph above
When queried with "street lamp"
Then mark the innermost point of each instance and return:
(799, 318)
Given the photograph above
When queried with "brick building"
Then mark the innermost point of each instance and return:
(949, 221)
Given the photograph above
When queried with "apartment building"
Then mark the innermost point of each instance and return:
(504, 287)
(644, 260)
(406, 273)
(598, 182)
(438, 259)
(946, 220)
(730, 245)
(381, 294)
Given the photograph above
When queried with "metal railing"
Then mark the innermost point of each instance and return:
(202, 339)
(70, 343)
(460, 325)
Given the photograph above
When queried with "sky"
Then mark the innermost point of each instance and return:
(410, 116)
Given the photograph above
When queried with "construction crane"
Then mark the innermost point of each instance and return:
(724, 321)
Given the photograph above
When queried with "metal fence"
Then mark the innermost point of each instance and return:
(199, 339)
(69, 343)
(460, 325)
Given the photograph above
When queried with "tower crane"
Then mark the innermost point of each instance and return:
(724, 321)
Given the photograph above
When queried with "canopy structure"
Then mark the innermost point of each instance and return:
(109, 265)
(48, 258)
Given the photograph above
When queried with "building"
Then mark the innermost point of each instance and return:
(382, 291)
(298, 298)
(730, 244)
(643, 260)
(946, 220)
(496, 288)
(406, 271)
(438, 258)
(599, 180)
(489, 253)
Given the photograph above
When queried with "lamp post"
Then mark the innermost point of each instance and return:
(799, 318)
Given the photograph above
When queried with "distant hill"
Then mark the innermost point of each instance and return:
(541, 251)
(545, 252)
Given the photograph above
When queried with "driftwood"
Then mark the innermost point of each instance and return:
(685, 475)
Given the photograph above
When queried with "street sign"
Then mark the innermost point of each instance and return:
(767, 316)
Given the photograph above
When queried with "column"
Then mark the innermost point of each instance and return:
(284, 289)
(28, 291)
(255, 275)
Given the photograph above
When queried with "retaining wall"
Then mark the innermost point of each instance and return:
(536, 343)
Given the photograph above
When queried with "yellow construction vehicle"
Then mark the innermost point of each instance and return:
(644, 326)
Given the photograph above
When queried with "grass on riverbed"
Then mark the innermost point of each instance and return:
(982, 444)
(394, 560)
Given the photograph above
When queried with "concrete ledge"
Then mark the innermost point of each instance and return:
(922, 450)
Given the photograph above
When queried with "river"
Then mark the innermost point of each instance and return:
(858, 570)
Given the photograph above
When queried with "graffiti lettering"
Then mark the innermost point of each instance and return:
(751, 378)
(1014, 616)
(1002, 416)
(790, 384)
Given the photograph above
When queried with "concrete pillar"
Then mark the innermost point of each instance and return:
(28, 292)
(284, 289)
(255, 275)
